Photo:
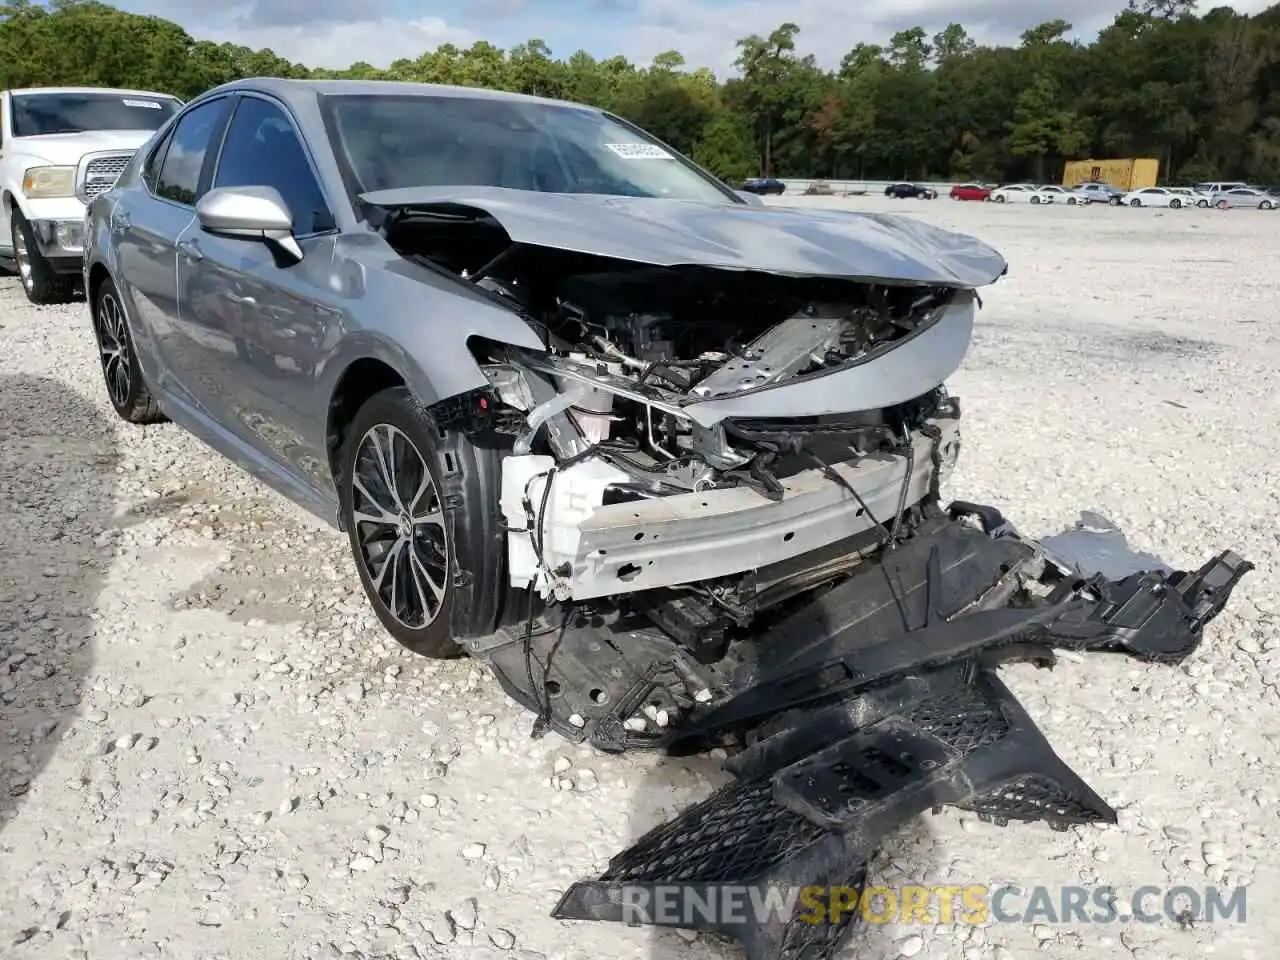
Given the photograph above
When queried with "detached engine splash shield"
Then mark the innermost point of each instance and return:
(860, 730)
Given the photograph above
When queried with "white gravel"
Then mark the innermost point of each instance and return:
(209, 750)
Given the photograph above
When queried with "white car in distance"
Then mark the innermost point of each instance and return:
(1015, 193)
(1153, 197)
(1192, 197)
(1050, 194)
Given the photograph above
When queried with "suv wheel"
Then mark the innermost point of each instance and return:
(39, 281)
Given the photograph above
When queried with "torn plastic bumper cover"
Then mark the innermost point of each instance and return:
(855, 731)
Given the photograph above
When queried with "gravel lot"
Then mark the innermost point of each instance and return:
(209, 749)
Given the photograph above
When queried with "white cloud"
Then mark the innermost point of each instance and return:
(638, 29)
(830, 28)
(338, 45)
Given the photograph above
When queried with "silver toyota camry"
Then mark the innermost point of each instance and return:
(666, 459)
(416, 310)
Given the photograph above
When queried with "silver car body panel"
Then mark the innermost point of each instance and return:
(918, 365)
(669, 233)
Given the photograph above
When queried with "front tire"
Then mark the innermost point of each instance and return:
(1035, 199)
(419, 505)
(121, 372)
(1135, 202)
(41, 284)
(1175, 204)
(1202, 204)
(1265, 205)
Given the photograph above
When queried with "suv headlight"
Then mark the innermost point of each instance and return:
(49, 183)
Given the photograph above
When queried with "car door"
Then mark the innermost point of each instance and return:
(148, 223)
(264, 324)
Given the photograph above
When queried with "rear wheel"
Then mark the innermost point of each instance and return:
(418, 505)
(40, 282)
(121, 372)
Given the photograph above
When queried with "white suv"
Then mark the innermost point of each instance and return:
(59, 148)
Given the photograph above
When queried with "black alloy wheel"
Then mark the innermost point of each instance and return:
(121, 372)
(419, 505)
(399, 523)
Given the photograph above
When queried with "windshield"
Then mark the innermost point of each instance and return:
(38, 114)
(389, 142)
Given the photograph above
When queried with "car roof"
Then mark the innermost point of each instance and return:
(140, 93)
(295, 91)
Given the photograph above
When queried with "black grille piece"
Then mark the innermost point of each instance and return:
(1031, 797)
(812, 800)
(735, 835)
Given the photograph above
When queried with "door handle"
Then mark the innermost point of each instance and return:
(236, 298)
(191, 250)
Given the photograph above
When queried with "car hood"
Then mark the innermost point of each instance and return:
(782, 240)
(70, 147)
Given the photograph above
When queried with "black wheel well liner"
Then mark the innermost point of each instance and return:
(97, 274)
(359, 381)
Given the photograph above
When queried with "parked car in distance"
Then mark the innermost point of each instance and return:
(764, 186)
(1244, 197)
(1049, 193)
(1153, 197)
(1210, 187)
(1190, 196)
(1013, 193)
(970, 191)
(59, 148)
(1094, 192)
(905, 191)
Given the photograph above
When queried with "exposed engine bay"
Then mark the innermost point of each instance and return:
(722, 525)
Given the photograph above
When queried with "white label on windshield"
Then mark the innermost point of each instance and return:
(639, 151)
(149, 104)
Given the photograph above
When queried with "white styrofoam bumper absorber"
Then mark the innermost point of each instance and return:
(576, 492)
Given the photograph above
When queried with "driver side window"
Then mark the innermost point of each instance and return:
(262, 149)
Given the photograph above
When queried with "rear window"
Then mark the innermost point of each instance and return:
(41, 114)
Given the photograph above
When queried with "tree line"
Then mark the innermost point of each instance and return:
(1200, 92)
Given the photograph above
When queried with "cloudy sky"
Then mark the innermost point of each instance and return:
(334, 33)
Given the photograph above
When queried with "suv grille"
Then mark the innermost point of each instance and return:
(101, 174)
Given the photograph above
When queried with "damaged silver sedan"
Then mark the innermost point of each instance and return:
(667, 460)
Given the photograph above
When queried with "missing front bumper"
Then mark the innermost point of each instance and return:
(885, 703)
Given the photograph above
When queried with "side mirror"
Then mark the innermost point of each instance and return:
(753, 200)
(251, 213)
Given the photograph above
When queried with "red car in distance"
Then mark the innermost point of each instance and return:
(970, 191)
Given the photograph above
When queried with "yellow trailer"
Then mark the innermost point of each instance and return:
(1130, 174)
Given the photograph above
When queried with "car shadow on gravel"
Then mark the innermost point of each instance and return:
(57, 462)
